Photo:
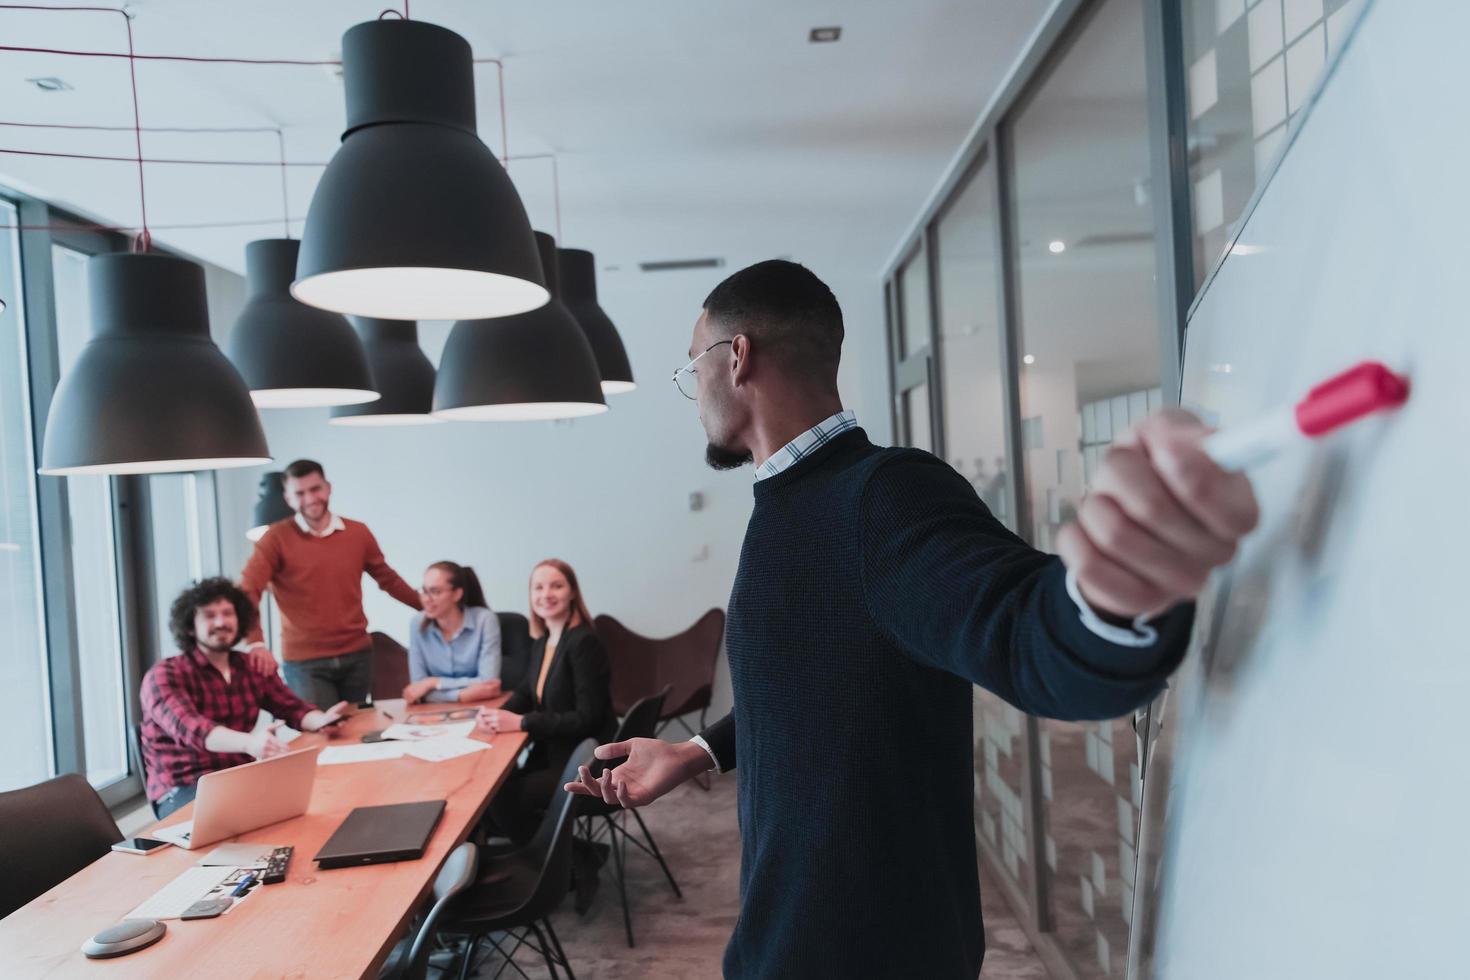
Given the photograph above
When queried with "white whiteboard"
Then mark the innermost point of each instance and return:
(1319, 824)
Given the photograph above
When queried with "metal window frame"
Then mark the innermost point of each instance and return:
(989, 142)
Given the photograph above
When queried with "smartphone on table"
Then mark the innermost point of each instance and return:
(139, 845)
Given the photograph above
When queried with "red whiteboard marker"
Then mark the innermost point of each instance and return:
(1359, 391)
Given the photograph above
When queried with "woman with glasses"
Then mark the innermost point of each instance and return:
(566, 696)
(454, 644)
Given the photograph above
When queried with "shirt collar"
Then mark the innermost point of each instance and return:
(335, 524)
(798, 448)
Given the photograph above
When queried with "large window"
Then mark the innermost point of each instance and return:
(94, 559)
(29, 757)
(185, 544)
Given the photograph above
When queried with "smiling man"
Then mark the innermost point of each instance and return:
(874, 588)
(313, 564)
(200, 707)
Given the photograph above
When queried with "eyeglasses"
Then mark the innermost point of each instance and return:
(435, 717)
(432, 591)
(686, 380)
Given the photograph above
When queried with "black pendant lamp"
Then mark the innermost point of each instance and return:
(290, 354)
(270, 504)
(579, 293)
(414, 218)
(402, 373)
(535, 365)
(150, 392)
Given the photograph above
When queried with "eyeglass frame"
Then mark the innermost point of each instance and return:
(689, 368)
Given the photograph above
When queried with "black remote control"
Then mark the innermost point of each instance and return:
(276, 865)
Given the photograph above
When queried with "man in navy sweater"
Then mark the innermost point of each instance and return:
(874, 587)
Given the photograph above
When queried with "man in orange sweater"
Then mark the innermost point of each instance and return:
(313, 564)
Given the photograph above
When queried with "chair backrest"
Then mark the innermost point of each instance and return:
(515, 649)
(52, 830)
(135, 751)
(390, 668)
(641, 721)
(457, 874)
(553, 840)
(684, 663)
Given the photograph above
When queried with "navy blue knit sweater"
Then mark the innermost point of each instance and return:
(873, 588)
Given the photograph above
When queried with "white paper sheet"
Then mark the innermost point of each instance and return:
(394, 709)
(177, 835)
(439, 749)
(363, 752)
(415, 733)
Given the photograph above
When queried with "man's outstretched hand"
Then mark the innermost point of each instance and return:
(1161, 515)
(650, 768)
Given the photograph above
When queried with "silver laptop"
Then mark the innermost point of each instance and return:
(242, 799)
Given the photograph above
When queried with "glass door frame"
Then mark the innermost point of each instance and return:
(990, 141)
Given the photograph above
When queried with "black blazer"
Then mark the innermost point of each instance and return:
(576, 702)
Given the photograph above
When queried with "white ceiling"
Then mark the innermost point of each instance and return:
(682, 128)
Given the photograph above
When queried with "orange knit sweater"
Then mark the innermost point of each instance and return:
(317, 583)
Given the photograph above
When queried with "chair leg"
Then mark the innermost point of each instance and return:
(469, 957)
(657, 854)
(545, 948)
(566, 964)
(619, 855)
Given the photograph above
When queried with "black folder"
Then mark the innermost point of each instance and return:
(379, 834)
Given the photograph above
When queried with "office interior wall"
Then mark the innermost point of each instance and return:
(609, 494)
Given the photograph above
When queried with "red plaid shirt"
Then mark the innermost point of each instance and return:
(185, 698)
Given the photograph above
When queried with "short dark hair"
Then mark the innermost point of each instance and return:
(785, 308)
(304, 467)
(202, 593)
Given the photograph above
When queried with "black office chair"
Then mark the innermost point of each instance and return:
(516, 893)
(410, 959)
(52, 830)
(135, 752)
(515, 649)
(641, 721)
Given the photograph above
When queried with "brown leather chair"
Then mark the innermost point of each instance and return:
(52, 830)
(390, 668)
(685, 664)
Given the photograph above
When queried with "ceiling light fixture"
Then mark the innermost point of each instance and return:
(824, 35)
(290, 354)
(1029, 359)
(535, 365)
(579, 292)
(150, 392)
(270, 504)
(678, 265)
(50, 83)
(414, 218)
(402, 374)
(1057, 247)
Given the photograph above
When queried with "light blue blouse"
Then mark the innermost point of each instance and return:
(470, 656)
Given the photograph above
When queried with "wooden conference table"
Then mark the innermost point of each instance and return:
(315, 924)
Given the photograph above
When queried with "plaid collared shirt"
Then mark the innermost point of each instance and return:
(798, 448)
(185, 698)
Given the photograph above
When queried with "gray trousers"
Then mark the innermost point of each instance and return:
(327, 680)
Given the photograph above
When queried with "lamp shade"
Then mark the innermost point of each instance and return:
(579, 293)
(414, 218)
(150, 392)
(270, 504)
(534, 365)
(402, 373)
(290, 354)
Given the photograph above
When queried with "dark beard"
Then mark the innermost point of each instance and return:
(207, 644)
(720, 458)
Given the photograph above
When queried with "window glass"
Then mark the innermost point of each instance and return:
(93, 555)
(23, 676)
(1250, 68)
(1089, 345)
(913, 289)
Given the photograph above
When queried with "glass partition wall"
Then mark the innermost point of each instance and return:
(1035, 314)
